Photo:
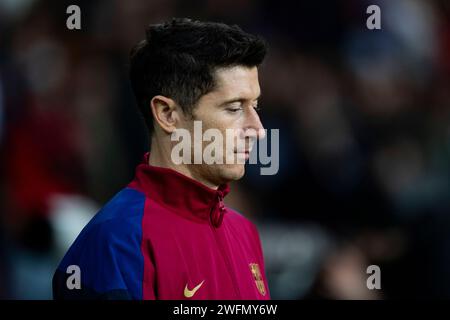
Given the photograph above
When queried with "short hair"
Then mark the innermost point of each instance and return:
(177, 59)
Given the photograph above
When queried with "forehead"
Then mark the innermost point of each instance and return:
(237, 81)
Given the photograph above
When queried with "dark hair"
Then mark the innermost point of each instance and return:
(178, 60)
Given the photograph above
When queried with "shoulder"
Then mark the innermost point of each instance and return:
(237, 217)
(115, 228)
(121, 216)
(108, 250)
(126, 205)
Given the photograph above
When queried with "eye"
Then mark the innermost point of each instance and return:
(234, 110)
(257, 108)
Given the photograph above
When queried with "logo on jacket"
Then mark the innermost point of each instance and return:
(190, 293)
(254, 268)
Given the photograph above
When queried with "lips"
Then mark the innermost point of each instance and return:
(245, 154)
(245, 151)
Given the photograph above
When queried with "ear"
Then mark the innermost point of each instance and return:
(165, 112)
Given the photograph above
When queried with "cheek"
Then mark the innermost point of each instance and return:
(226, 126)
(214, 118)
(223, 125)
(218, 121)
(222, 121)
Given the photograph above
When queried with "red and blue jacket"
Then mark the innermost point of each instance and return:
(165, 236)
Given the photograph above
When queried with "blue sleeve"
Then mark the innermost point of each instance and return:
(109, 257)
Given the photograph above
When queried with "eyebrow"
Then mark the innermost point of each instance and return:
(237, 99)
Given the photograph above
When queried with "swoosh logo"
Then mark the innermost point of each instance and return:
(190, 293)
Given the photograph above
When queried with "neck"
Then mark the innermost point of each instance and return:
(160, 157)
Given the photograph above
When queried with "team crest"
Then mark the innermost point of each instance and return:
(254, 268)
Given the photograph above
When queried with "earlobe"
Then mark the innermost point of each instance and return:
(164, 113)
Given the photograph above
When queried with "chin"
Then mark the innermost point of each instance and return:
(234, 172)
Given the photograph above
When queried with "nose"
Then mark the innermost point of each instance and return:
(253, 127)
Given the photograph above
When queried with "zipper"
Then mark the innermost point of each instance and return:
(215, 222)
(217, 211)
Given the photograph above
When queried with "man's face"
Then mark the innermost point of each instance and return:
(231, 105)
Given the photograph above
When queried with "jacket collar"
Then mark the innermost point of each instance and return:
(183, 195)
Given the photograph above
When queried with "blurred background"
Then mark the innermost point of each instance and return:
(364, 119)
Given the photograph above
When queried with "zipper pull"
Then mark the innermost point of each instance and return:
(218, 211)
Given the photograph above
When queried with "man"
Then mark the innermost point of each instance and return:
(168, 234)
